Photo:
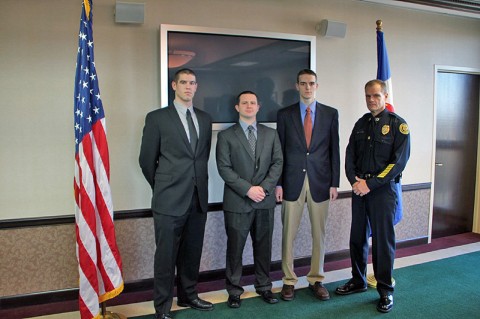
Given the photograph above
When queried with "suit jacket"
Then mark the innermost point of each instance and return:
(321, 162)
(168, 163)
(240, 169)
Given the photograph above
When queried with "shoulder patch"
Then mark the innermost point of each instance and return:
(404, 128)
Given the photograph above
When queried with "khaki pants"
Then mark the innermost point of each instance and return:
(291, 216)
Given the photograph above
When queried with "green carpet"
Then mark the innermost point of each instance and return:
(448, 288)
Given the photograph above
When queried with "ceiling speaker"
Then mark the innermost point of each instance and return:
(329, 28)
(129, 12)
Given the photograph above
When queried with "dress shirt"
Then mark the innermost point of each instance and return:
(303, 111)
(182, 112)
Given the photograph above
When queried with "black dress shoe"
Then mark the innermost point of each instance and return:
(268, 296)
(385, 304)
(163, 316)
(350, 288)
(234, 301)
(198, 304)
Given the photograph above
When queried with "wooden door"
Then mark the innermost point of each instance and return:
(456, 153)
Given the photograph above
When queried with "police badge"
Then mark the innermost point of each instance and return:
(385, 129)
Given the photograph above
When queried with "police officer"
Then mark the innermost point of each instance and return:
(377, 152)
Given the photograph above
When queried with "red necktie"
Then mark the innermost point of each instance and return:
(307, 126)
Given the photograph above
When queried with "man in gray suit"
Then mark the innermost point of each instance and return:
(249, 159)
(173, 156)
(308, 132)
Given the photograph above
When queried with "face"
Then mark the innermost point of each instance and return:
(185, 88)
(375, 99)
(307, 86)
(247, 107)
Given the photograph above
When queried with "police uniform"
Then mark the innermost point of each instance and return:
(378, 150)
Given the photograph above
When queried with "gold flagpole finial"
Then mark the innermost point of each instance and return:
(86, 3)
(379, 25)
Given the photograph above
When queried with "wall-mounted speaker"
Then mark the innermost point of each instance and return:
(329, 28)
(129, 12)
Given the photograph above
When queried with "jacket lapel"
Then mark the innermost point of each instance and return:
(260, 140)
(181, 130)
(319, 118)
(297, 123)
(243, 140)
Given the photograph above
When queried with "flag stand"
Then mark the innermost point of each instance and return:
(110, 315)
(371, 280)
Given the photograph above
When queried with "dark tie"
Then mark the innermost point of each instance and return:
(307, 126)
(192, 131)
(251, 139)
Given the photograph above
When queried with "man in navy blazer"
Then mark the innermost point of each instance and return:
(174, 160)
(308, 133)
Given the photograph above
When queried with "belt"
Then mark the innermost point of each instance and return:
(366, 176)
(369, 176)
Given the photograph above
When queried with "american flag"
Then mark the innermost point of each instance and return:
(100, 265)
(383, 73)
(383, 68)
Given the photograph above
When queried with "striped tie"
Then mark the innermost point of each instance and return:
(251, 139)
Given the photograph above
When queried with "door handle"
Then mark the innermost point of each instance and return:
(438, 164)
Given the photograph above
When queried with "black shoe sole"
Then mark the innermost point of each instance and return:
(383, 310)
(181, 304)
(351, 291)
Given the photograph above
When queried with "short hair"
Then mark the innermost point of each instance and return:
(306, 71)
(245, 92)
(183, 71)
(383, 85)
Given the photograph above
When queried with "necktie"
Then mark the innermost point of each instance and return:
(307, 126)
(192, 131)
(251, 139)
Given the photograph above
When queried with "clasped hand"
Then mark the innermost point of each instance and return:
(256, 193)
(360, 187)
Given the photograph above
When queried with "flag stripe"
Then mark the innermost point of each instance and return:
(100, 264)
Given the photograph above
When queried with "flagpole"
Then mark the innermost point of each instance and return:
(371, 280)
(110, 315)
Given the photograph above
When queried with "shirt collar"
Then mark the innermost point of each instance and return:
(303, 107)
(182, 109)
(245, 125)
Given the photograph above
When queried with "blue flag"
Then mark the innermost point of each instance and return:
(383, 73)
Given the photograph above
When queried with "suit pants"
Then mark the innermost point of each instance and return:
(179, 242)
(259, 223)
(292, 212)
(374, 214)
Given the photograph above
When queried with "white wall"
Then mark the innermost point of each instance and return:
(37, 61)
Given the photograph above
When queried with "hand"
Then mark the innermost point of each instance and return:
(279, 193)
(333, 193)
(360, 188)
(256, 193)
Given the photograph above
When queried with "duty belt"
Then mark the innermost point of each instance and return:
(366, 176)
(369, 176)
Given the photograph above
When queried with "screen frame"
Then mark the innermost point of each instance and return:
(165, 28)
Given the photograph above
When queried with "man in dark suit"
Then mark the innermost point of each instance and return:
(173, 156)
(308, 132)
(249, 159)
